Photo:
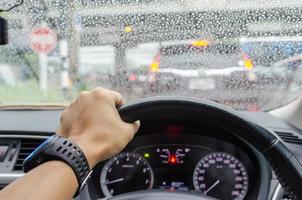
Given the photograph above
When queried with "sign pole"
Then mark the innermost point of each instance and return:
(43, 73)
(43, 40)
(65, 80)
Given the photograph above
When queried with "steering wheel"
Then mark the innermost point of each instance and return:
(286, 167)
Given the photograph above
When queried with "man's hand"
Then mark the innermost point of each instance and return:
(92, 121)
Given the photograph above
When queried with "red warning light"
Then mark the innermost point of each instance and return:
(172, 159)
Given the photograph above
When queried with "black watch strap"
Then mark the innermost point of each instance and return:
(60, 148)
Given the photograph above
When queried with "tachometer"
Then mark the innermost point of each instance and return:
(126, 172)
(222, 176)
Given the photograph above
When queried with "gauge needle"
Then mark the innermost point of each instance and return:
(115, 181)
(210, 188)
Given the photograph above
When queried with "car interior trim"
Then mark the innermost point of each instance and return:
(278, 193)
(12, 136)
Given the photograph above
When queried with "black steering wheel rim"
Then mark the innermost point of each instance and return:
(286, 167)
(161, 195)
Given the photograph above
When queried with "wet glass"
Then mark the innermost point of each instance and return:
(246, 54)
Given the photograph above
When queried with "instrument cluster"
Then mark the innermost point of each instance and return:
(179, 167)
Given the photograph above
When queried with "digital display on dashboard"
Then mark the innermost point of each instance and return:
(172, 180)
(173, 164)
(3, 151)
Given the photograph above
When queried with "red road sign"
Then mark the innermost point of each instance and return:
(42, 40)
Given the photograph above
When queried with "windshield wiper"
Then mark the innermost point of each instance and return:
(12, 7)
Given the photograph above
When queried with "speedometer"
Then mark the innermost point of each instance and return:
(222, 176)
(126, 172)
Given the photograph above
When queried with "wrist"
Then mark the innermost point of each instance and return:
(57, 148)
(60, 165)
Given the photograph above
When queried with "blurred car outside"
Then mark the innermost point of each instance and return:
(205, 66)
(196, 65)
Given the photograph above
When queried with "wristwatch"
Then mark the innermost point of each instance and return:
(60, 148)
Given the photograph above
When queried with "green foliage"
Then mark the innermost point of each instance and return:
(29, 93)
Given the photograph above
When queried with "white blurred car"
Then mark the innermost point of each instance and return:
(7, 76)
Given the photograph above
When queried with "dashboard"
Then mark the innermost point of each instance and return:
(178, 156)
(164, 155)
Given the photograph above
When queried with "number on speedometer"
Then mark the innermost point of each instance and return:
(222, 176)
(126, 172)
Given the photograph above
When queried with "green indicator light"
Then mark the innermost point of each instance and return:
(146, 155)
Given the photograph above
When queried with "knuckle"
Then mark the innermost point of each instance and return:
(117, 94)
(83, 94)
(97, 90)
(100, 93)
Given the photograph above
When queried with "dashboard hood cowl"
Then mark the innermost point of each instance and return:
(33, 107)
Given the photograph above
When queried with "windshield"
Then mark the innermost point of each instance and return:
(245, 54)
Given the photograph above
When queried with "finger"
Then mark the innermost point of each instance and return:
(132, 128)
(118, 99)
(137, 125)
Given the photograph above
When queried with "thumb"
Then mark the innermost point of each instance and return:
(132, 127)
